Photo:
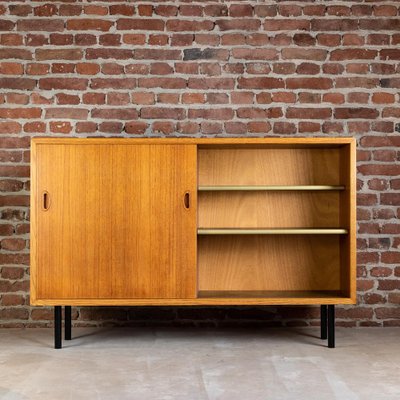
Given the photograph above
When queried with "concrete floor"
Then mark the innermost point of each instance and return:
(199, 364)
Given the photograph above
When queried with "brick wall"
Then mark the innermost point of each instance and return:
(299, 68)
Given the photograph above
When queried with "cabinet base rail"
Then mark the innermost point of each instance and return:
(327, 325)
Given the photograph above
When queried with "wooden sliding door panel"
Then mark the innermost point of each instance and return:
(115, 222)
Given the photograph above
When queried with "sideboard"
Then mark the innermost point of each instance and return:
(193, 221)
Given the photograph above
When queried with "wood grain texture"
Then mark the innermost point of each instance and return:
(116, 222)
(314, 142)
(259, 209)
(265, 166)
(348, 220)
(278, 263)
(284, 299)
(298, 269)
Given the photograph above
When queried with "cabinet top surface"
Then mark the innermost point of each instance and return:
(331, 141)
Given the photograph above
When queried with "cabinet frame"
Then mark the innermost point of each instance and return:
(348, 196)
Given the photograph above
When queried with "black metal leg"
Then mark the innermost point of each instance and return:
(331, 326)
(324, 322)
(67, 314)
(57, 327)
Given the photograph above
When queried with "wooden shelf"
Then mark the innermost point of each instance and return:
(216, 188)
(275, 231)
(272, 294)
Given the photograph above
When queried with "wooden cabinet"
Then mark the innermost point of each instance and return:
(193, 221)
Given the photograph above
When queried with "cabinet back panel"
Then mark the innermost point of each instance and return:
(257, 262)
(116, 222)
(264, 166)
(260, 209)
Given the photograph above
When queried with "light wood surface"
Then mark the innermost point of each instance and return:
(116, 222)
(86, 261)
(285, 299)
(272, 231)
(270, 188)
(265, 166)
(265, 209)
(348, 243)
(276, 262)
(299, 142)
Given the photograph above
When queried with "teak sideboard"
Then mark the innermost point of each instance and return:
(181, 221)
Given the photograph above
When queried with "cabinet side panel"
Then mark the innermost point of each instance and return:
(33, 225)
(348, 220)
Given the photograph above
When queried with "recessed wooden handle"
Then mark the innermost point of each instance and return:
(186, 200)
(45, 200)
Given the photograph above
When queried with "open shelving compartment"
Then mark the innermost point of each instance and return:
(275, 223)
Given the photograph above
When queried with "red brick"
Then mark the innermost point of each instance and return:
(304, 54)
(308, 113)
(191, 10)
(70, 9)
(131, 38)
(344, 113)
(136, 127)
(63, 83)
(60, 127)
(388, 284)
(353, 54)
(385, 10)
(285, 25)
(115, 113)
(188, 127)
(142, 98)
(58, 54)
(242, 97)
(122, 9)
(166, 10)
(216, 10)
(166, 83)
(308, 69)
(85, 127)
(211, 113)
(110, 39)
(22, 10)
(153, 54)
(193, 98)
(86, 24)
(118, 98)
(66, 113)
(111, 127)
(87, 69)
(255, 54)
(140, 24)
(162, 113)
(309, 83)
(10, 127)
(145, 10)
(94, 10)
(160, 40)
(289, 10)
(35, 127)
(46, 10)
(240, 10)
(163, 127)
(42, 24)
(284, 128)
(94, 98)
(113, 83)
(260, 83)
(236, 24)
(17, 98)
